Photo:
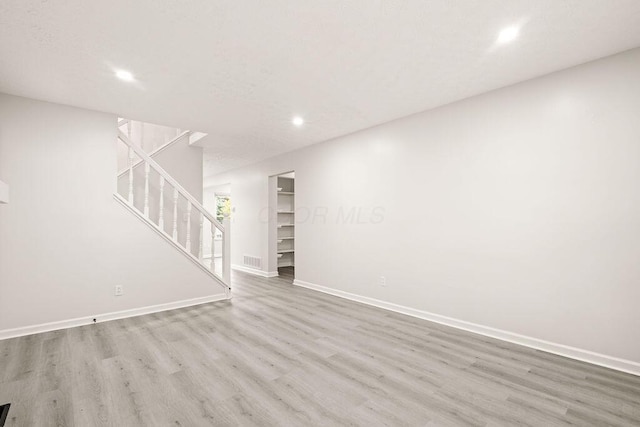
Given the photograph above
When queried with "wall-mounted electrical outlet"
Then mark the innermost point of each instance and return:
(383, 281)
(118, 290)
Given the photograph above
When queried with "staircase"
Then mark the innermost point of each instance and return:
(157, 199)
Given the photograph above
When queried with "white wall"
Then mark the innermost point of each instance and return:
(184, 163)
(151, 137)
(147, 136)
(518, 209)
(64, 241)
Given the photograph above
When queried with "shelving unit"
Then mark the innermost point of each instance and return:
(286, 221)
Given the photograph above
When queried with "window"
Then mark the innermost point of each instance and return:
(223, 206)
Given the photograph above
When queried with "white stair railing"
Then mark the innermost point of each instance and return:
(153, 146)
(219, 265)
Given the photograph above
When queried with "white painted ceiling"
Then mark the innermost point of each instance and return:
(240, 70)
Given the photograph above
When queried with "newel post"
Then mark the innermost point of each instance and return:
(226, 251)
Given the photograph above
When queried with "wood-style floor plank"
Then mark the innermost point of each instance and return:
(279, 355)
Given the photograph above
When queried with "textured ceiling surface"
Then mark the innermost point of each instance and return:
(240, 70)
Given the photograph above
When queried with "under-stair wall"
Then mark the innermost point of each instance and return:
(64, 241)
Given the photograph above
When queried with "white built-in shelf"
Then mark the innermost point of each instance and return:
(285, 209)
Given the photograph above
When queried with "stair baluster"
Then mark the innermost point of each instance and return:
(187, 244)
(161, 212)
(200, 233)
(146, 189)
(175, 214)
(131, 154)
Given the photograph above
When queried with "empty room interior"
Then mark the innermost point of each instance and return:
(336, 213)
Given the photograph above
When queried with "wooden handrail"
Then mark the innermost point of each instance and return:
(152, 163)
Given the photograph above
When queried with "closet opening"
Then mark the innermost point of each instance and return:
(283, 230)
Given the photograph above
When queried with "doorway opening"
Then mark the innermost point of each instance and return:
(217, 200)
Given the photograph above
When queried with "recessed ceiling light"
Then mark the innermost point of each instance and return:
(298, 121)
(508, 34)
(124, 75)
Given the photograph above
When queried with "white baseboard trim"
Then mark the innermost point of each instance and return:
(618, 364)
(81, 321)
(254, 271)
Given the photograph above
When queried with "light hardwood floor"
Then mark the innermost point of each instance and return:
(283, 355)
